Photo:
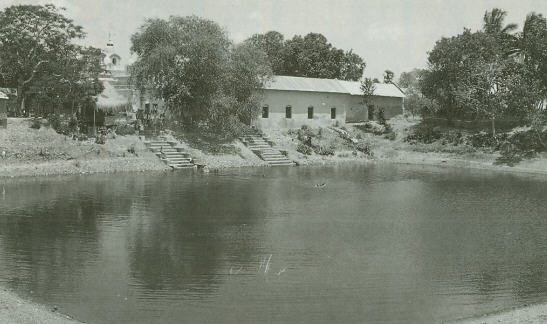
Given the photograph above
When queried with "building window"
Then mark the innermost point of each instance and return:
(333, 113)
(310, 112)
(265, 112)
(288, 112)
(114, 61)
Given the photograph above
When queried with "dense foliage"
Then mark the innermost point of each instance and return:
(39, 57)
(308, 56)
(491, 73)
(204, 79)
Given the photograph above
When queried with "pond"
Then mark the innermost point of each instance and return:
(350, 244)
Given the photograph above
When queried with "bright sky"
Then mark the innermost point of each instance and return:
(388, 34)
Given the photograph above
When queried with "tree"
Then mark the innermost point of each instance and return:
(185, 60)
(352, 67)
(493, 22)
(451, 68)
(272, 44)
(308, 56)
(367, 88)
(414, 100)
(32, 39)
(249, 71)
(192, 65)
(388, 76)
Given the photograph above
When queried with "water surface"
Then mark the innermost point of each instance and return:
(376, 244)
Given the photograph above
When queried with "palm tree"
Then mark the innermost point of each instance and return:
(493, 22)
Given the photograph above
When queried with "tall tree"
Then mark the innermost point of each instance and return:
(194, 67)
(308, 56)
(32, 37)
(493, 22)
(184, 58)
(272, 44)
(352, 66)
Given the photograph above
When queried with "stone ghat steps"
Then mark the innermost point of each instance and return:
(171, 154)
(263, 148)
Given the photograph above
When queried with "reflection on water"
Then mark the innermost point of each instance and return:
(376, 244)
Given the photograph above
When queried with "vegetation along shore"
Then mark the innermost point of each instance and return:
(193, 98)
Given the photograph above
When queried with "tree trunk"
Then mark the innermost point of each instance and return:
(20, 99)
(493, 126)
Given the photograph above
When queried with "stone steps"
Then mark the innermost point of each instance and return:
(171, 154)
(263, 148)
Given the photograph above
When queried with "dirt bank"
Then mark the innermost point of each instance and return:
(535, 314)
(14, 310)
(34, 152)
(37, 152)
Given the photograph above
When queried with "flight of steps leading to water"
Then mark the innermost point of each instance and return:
(263, 148)
(171, 153)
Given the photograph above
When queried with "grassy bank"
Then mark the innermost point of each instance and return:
(38, 152)
(34, 152)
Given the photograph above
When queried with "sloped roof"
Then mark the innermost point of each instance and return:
(3, 95)
(280, 82)
(290, 83)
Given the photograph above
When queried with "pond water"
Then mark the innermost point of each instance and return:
(375, 244)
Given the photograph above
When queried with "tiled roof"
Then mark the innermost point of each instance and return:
(290, 83)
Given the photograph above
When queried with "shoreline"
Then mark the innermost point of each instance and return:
(531, 314)
(14, 309)
(152, 164)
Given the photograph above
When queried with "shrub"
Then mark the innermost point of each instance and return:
(324, 149)
(36, 123)
(305, 134)
(100, 139)
(381, 117)
(372, 127)
(423, 134)
(126, 129)
(304, 149)
(364, 148)
(391, 136)
(63, 125)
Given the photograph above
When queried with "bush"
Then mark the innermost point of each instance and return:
(423, 134)
(390, 136)
(36, 123)
(305, 134)
(381, 117)
(126, 129)
(100, 139)
(364, 148)
(372, 127)
(63, 125)
(324, 149)
(304, 149)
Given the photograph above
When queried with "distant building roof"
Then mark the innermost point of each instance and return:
(3, 95)
(290, 83)
(280, 82)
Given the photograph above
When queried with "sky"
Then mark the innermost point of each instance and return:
(387, 34)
